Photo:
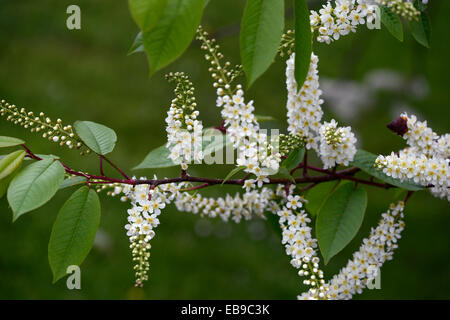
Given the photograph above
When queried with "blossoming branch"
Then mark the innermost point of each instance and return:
(278, 177)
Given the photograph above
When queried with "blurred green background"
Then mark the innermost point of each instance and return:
(86, 75)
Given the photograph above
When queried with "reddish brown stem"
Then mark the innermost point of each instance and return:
(346, 174)
(101, 166)
(204, 185)
(408, 196)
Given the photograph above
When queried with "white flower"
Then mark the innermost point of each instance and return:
(293, 202)
(249, 184)
(261, 179)
(284, 214)
(156, 206)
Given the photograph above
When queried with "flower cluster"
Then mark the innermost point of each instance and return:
(53, 131)
(304, 111)
(229, 207)
(337, 144)
(334, 22)
(334, 145)
(409, 165)
(404, 8)
(147, 203)
(256, 150)
(424, 139)
(366, 262)
(300, 245)
(184, 131)
(425, 161)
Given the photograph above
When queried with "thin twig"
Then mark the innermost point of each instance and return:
(346, 174)
(204, 185)
(116, 167)
(408, 196)
(101, 165)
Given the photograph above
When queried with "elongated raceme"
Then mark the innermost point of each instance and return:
(367, 261)
(54, 131)
(184, 130)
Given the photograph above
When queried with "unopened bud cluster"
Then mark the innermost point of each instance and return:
(403, 8)
(290, 142)
(54, 131)
(287, 45)
(222, 74)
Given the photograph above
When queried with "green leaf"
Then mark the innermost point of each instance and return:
(173, 32)
(97, 137)
(392, 22)
(34, 186)
(46, 156)
(146, 13)
(157, 158)
(303, 41)
(421, 30)
(318, 195)
(233, 172)
(366, 161)
(294, 158)
(42, 156)
(74, 231)
(261, 118)
(4, 183)
(213, 141)
(261, 31)
(72, 181)
(340, 218)
(10, 163)
(10, 142)
(138, 45)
